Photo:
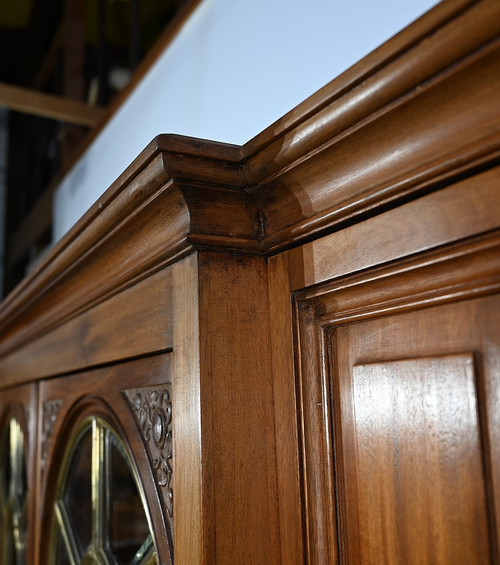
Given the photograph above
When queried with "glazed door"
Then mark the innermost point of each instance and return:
(18, 431)
(400, 388)
(106, 465)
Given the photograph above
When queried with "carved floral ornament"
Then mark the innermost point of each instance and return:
(152, 409)
(50, 412)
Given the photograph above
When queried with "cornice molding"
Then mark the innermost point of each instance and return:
(415, 115)
(146, 220)
(422, 113)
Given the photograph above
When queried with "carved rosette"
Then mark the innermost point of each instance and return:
(152, 408)
(50, 412)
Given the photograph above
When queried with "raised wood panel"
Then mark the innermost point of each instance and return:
(471, 325)
(135, 322)
(412, 462)
(364, 335)
(393, 165)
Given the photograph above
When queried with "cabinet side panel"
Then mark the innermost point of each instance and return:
(409, 395)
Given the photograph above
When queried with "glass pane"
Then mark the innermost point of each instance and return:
(78, 491)
(22, 487)
(5, 463)
(99, 512)
(129, 527)
(13, 502)
(62, 557)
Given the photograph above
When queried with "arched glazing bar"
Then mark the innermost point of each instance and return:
(100, 512)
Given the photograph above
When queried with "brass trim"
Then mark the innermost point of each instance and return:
(13, 502)
(103, 436)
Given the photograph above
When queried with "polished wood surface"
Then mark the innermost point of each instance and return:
(383, 133)
(91, 339)
(315, 315)
(237, 392)
(412, 437)
(285, 416)
(226, 478)
(465, 209)
(373, 138)
(191, 537)
(415, 472)
(427, 353)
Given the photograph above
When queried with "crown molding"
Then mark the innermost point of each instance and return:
(417, 114)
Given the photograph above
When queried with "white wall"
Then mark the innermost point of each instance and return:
(235, 68)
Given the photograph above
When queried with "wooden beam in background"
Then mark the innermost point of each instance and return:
(49, 106)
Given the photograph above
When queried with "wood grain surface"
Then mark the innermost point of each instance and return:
(137, 321)
(385, 132)
(238, 411)
(410, 397)
(322, 303)
(413, 464)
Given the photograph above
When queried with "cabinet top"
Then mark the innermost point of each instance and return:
(413, 116)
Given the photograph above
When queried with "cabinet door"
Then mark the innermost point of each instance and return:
(17, 473)
(417, 418)
(400, 392)
(106, 465)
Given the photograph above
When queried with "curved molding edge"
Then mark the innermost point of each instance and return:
(417, 114)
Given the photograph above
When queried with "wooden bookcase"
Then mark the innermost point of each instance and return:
(297, 340)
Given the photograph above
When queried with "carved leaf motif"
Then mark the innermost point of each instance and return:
(50, 412)
(152, 409)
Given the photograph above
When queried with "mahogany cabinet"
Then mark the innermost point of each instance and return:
(286, 352)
